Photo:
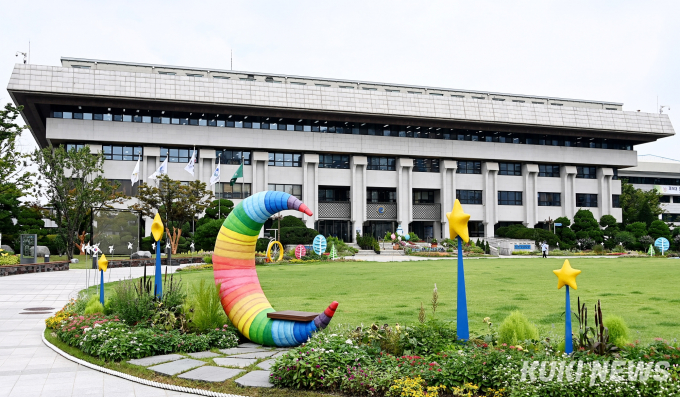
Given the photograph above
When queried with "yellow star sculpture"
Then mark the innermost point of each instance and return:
(157, 228)
(458, 222)
(566, 275)
(103, 263)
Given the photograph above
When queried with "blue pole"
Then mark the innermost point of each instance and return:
(568, 342)
(462, 329)
(101, 288)
(158, 286)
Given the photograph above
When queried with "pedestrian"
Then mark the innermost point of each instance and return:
(544, 248)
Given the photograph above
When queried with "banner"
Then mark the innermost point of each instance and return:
(667, 190)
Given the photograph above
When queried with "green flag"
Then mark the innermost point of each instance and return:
(237, 174)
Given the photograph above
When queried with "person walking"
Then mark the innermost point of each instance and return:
(544, 248)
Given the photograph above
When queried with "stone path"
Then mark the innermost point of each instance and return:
(255, 359)
(28, 368)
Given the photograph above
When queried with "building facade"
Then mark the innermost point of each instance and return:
(660, 174)
(365, 157)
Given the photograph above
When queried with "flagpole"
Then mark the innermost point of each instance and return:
(219, 199)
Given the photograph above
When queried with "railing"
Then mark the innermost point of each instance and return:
(335, 210)
(427, 212)
(387, 211)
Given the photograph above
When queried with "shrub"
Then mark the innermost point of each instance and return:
(131, 302)
(516, 328)
(619, 334)
(627, 239)
(290, 221)
(429, 337)
(413, 237)
(207, 259)
(367, 242)
(206, 235)
(598, 249)
(297, 235)
(342, 248)
(7, 259)
(207, 308)
(658, 229)
(94, 306)
(261, 245)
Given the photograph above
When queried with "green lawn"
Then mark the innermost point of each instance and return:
(644, 291)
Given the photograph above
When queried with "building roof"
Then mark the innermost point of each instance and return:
(33, 85)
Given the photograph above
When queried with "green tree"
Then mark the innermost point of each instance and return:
(645, 214)
(627, 239)
(177, 204)
(632, 201)
(74, 185)
(610, 228)
(564, 232)
(219, 209)
(585, 226)
(14, 179)
(638, 229)
(206, 235)
(659, 229)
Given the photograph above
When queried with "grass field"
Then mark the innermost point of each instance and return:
(644, 291)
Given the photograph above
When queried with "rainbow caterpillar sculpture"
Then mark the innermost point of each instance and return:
(234, 267)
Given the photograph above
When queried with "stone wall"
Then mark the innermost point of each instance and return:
(152, 262)
(34, 268)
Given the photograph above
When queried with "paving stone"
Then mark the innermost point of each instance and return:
(153, 360)
(236, 350)
(279, 354)
(175, 367)
(254, 355)
(249, 345)
(255, 379)
(211, 374)
(266, 364)
(204, 355)
(234, 362)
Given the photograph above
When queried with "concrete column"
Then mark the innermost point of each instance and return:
(490, 194)
(447, 168)
(152, 160)
(604, 191)
(567, 175)
(358, 193)
(206, 154)
(404, 192)
(530, 174)
(260, 159)
(310, 163)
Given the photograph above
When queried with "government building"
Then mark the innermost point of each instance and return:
(365, 157)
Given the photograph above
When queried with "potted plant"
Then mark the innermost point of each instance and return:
(433, 243)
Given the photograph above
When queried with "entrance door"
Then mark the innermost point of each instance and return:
(378, 229)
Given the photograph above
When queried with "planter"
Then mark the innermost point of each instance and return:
(396, 247)
(433, 245)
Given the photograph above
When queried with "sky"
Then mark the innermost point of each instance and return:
(619, 51)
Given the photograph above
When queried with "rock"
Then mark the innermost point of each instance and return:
(42, 251)
(255, 379)
(267, 365)
(74, 260)
(207, 354)
(141, 255)
(7, 248)
(175, 367)
(254, 355)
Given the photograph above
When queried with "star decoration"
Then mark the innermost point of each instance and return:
(157, 227)
(566, 275)
(458, 222)
(103, 263)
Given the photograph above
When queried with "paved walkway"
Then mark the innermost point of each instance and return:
(27, 367)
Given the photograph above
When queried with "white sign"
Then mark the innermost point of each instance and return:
(667, 190)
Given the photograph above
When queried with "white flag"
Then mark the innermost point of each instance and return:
(162, 170)
(215, 176)
(135, 173)
(190, 166)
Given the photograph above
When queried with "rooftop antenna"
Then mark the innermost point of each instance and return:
(22, 53)
(232, 60)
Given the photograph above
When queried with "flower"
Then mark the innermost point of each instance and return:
(348, 341)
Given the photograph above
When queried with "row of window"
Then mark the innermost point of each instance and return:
(325, 126)
(646, 180)
(670, 217)
(668, 199)
(182, 155)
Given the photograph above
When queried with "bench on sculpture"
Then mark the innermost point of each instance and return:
(293, 315)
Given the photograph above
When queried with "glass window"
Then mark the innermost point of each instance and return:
(549, 170)
(616, 200)
(586, 200)
(226, 191)
(334, 161)
(665, 199)
(469, 167)
(469, 196)
(74, 146)
(381, 195)
(586, 172)
(126, 187)
(293, 190)
(284, 159)
(670, 217)
(476, 228)
(177, 155)
(423, 196)
(122, 153)
(509, 169)
(509, 198)
(549, 199)
(426, 165)
(233, 157)
(381, 163)
(333, 193)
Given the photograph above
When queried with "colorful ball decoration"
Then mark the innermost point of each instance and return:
(407, 237)
(319, 244)
(393, 236)
(300, 251)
